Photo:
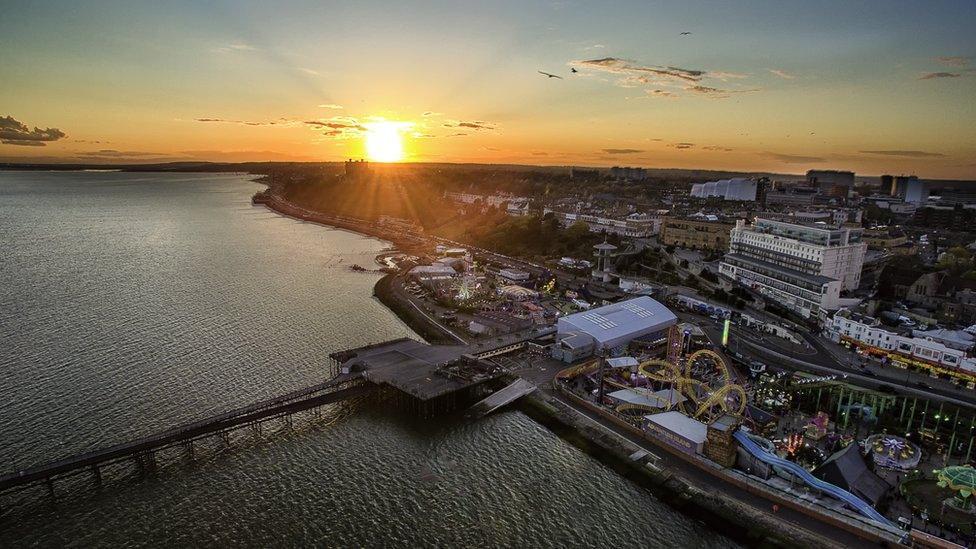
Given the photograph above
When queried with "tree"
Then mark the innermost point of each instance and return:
(577, 231)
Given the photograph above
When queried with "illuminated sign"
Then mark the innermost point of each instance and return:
(725, 332)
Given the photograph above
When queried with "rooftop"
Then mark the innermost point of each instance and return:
(676, 422)
(622, 318)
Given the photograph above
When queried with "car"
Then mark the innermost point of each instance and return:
(923, 385)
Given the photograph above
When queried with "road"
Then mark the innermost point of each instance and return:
(819, 358)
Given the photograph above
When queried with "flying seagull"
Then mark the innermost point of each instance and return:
(551, 75)
(573, 70)
(685, 33)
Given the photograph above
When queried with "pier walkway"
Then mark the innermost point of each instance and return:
(427, 379)
(339, 388)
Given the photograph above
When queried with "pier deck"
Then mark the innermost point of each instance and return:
(339, 388)
(425, 372)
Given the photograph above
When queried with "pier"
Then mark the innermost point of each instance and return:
(143, 450)
(424, 379)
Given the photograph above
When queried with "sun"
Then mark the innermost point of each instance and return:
(384, 141)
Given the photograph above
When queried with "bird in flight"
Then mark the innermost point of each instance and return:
(551, 75)
(685, 33)
(573, 70)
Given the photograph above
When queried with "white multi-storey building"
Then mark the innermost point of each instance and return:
(802, 267)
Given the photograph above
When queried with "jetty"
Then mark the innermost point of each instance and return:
(425, 379)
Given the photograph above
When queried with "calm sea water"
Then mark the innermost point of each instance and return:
(133, 302)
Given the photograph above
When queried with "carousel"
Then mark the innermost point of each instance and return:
(893, 452)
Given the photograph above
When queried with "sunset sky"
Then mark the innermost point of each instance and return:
(874, 87)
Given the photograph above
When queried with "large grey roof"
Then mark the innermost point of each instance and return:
(641, 314)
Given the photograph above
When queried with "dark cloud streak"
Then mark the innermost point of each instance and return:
(14, 132)
(907, 154)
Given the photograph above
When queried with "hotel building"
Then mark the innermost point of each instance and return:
(801, 267)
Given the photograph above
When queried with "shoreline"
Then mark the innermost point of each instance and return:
(722, 512)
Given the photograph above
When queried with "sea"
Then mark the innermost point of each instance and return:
(133, 302)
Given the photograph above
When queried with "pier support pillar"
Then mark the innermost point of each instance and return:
(188, 445)
(225, 436)
(96, 474)
(50, 486)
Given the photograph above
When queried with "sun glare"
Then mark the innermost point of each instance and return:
(384, 141)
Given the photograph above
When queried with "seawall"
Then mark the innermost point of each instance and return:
(722, 513)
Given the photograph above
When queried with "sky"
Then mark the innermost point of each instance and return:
(782, 86)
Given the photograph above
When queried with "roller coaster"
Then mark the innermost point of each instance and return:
(705, 382)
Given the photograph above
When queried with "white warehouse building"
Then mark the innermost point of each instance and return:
(737, 188)
(610, 328)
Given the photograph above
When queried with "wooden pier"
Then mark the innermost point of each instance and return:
(424, 379)
(143, 451)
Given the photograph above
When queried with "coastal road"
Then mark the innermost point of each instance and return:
(819, 359)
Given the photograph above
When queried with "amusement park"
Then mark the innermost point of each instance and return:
(872, 461)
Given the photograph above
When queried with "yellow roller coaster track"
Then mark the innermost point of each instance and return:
(665, 372)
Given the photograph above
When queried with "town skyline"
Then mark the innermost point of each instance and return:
(876, 89)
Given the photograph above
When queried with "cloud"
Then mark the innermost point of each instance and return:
(782, 74)
(475, 125)
(432, 113)
(717, 148)
(418, 135)
(312, 72)
(705, 90)
(933, 75)
(14, 132)
(279, 122)
(540, 153)
(793, 158)
(622, 151)
(332, 106)
(623, 66)
(715, 93)
(661, 93)
(907, 154)
(659, 77)
(237, 46)
(954, 60)
(338, 127)
(682, 145)
(335, 125)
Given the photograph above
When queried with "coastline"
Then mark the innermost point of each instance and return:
(383, 289)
